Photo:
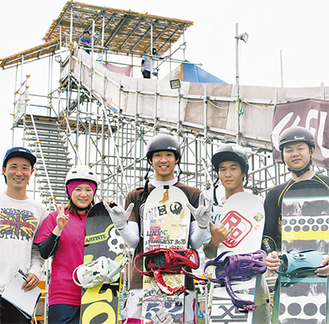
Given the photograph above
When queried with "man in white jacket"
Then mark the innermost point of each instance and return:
(20, 219)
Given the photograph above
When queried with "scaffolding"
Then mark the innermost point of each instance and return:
(104, 119)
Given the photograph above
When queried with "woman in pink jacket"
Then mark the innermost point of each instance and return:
(62, 236)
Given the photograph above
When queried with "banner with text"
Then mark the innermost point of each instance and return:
(311, 114)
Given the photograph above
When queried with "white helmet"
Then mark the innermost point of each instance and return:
(80, 172)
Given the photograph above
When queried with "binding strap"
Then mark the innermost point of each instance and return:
(163, 260)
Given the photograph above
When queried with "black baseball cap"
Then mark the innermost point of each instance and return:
(19, 152)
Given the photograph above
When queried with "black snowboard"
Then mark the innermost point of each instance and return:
(101, 304)
(305, 225)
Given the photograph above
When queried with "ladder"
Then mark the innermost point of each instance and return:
(47, 141)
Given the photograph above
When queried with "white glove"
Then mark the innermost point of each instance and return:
(118, 214)
(203, 213)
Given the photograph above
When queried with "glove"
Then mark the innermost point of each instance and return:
(118, 214)
(203, 213)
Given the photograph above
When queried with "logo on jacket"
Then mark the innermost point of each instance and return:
(16, 224)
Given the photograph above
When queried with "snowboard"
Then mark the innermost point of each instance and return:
(166, 223)
(305, 221)
(244, 212)
(101, 303)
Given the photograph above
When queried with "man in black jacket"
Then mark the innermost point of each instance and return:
(297, 148)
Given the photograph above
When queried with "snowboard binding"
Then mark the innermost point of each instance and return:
(100, 271)
(300, 263)
(163, 260)
(237, 267)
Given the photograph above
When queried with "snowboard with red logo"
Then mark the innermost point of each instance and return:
(245, 213)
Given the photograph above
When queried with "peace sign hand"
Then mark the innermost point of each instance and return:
(61, 219)
(203, 213)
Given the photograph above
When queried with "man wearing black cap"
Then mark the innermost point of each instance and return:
(85, 41)
(20, 219)
(297, 148)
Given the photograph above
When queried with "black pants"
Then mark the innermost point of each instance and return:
(64, 314)
(10, 314)
(146, 74)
